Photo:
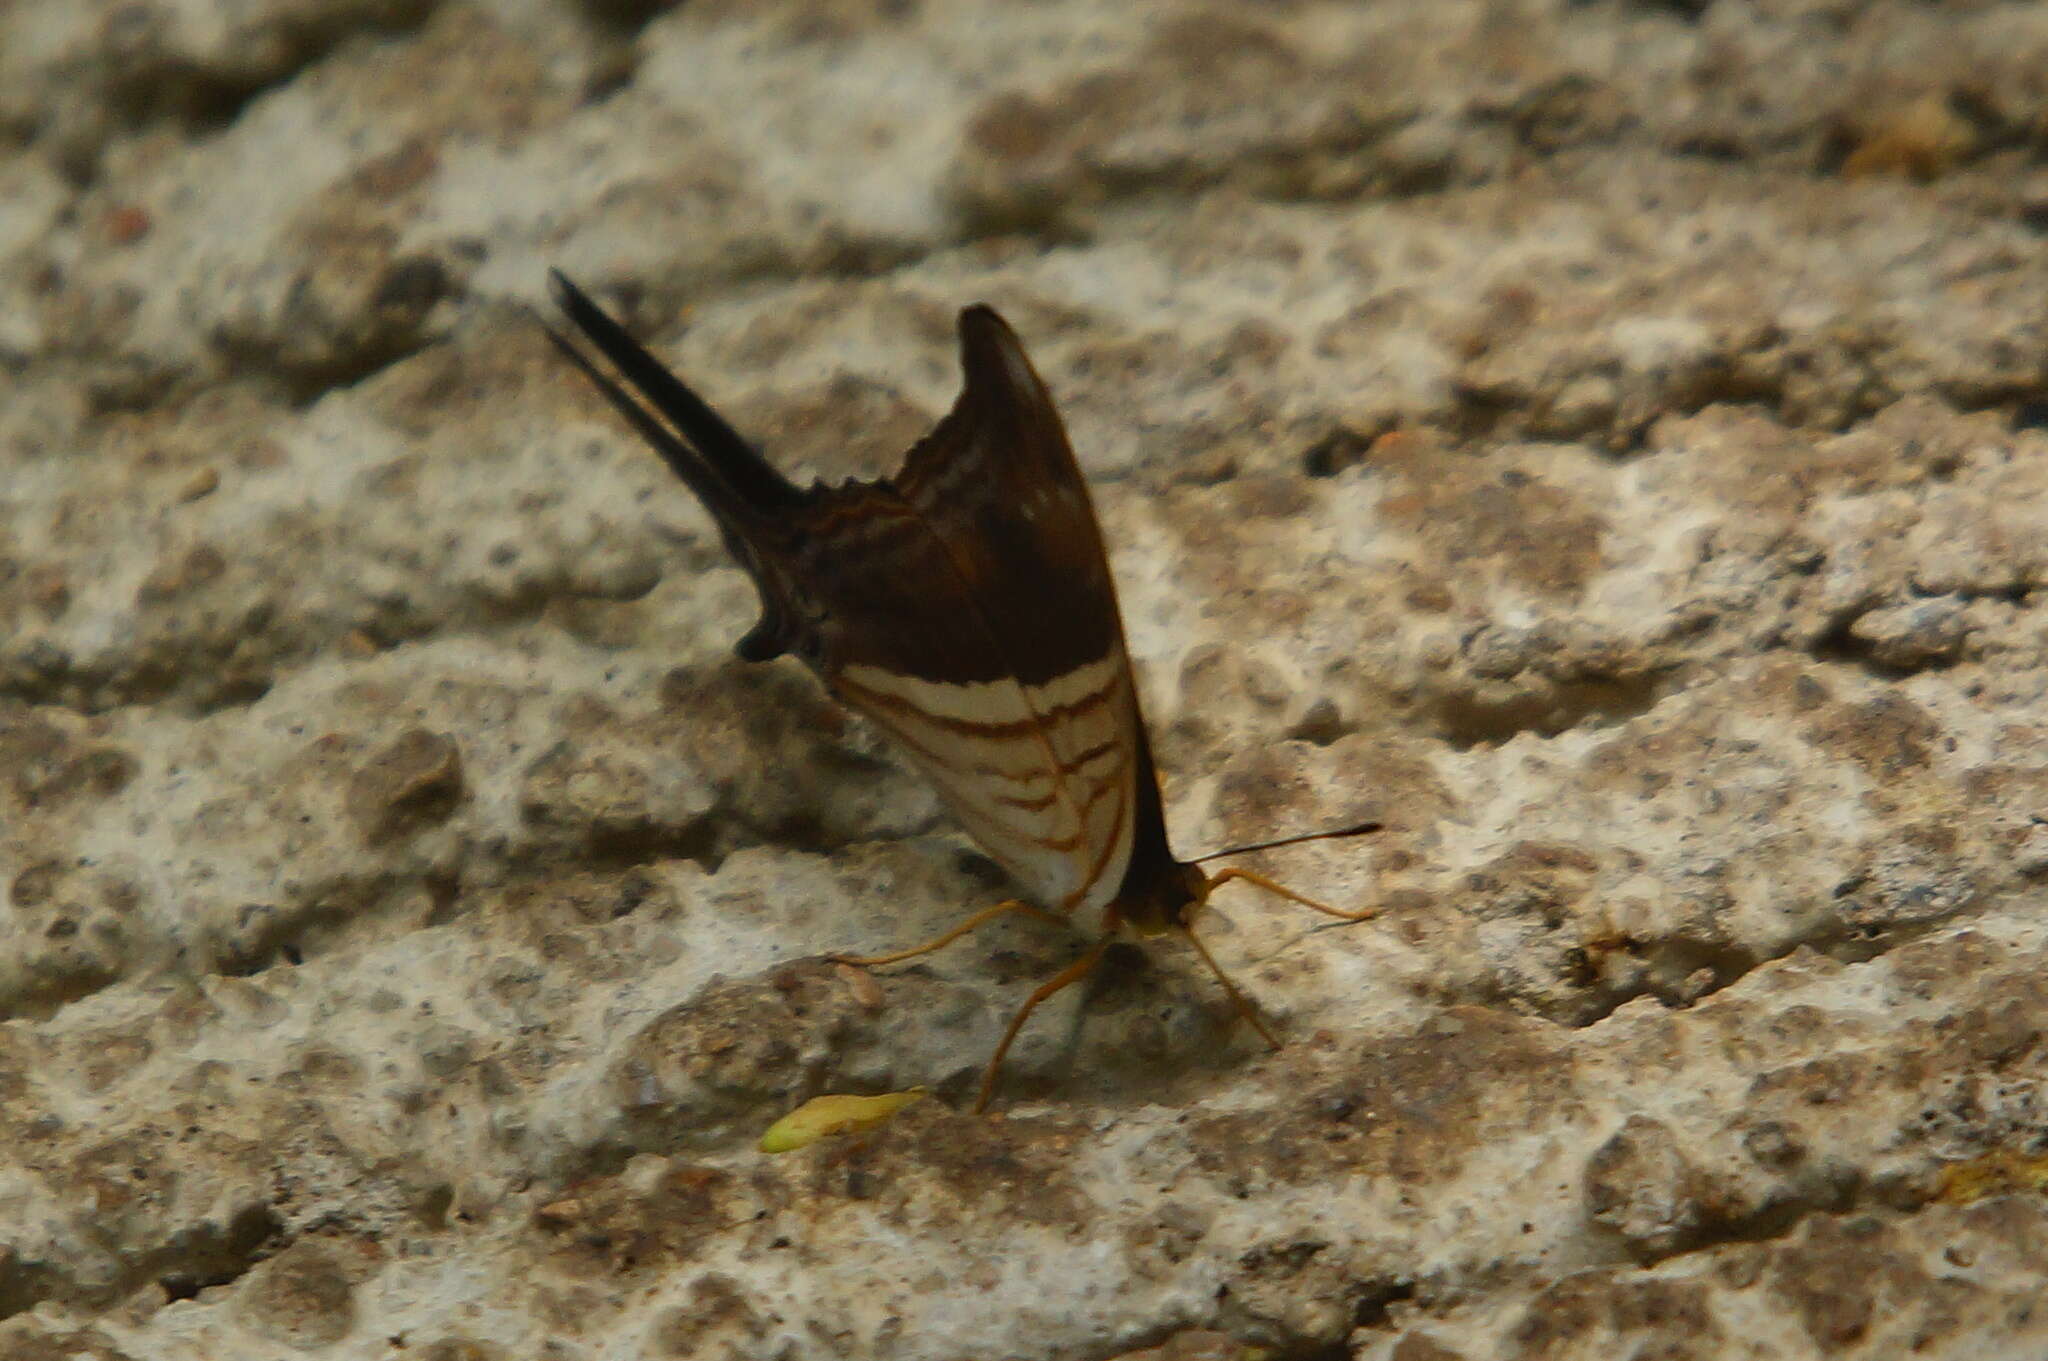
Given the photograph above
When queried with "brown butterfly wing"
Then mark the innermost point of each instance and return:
(998, 482)
(965, 605)
(994, 650)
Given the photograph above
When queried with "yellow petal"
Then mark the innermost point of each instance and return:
(823, 1115)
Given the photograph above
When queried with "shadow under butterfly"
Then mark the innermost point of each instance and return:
(966, 606)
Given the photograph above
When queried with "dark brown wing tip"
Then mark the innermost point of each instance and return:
(992, 358)
(979, 315)
(983, 331)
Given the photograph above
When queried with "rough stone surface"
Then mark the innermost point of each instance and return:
(1606, 442)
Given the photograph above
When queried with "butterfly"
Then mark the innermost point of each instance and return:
(965, 606)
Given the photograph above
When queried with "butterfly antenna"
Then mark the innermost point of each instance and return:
(1355, 829)
(1261, 881)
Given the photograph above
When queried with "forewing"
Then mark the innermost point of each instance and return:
(975, 619)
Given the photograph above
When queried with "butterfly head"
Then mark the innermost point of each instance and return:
(1153, 904)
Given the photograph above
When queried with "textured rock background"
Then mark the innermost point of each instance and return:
(1606, 441)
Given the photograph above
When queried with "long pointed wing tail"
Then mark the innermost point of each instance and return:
(716, 445)
(743, 492)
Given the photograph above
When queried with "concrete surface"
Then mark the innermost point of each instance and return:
(1604, 441)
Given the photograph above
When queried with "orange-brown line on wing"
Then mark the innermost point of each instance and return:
(991, 809)
(1037, 805)
(1064, 843)
(1107, 779)
(938, 757)
(1101, 861)
(1056, 767)
(868, 510)
(996, 829)
(980, 801)
(1026, 852)
(992, 831)
(1094, 699)
(995, 834)
(1103, 784)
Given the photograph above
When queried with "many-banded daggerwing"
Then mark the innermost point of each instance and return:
(965, 605)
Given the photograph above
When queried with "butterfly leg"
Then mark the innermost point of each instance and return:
(1072, 974)
(1225, 876)
(981, 918)
(1237, 998)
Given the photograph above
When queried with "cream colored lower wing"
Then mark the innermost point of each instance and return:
(1040, 776)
